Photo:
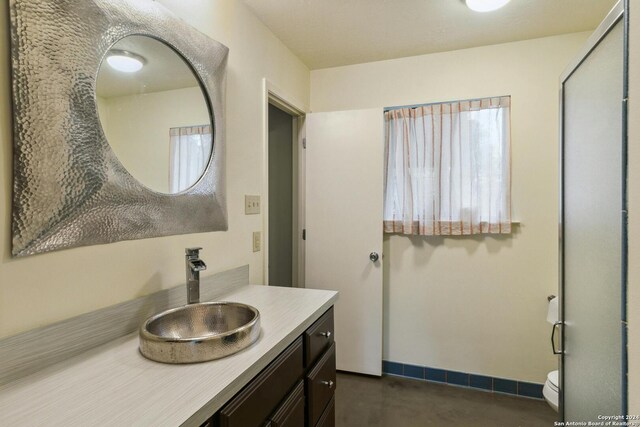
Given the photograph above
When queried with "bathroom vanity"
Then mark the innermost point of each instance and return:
(286, 378)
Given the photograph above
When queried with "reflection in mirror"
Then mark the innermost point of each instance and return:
(154, 114)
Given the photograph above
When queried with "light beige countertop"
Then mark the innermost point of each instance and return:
(114, 385)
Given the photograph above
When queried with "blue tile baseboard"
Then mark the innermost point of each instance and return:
(464, 379)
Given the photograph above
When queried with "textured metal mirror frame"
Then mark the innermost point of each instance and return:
(69, 188)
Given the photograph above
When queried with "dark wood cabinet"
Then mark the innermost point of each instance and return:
(328, 418)
(318, 338)
(291, 412)
(253, 405)
(321, 385)
(295, 390)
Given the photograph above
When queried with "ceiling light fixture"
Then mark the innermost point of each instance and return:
(124, 61)
(485, 5)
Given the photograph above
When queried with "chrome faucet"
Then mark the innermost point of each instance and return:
(194, 266)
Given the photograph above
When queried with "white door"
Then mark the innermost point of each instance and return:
(344, 205)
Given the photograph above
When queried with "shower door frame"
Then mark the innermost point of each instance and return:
(618, 13)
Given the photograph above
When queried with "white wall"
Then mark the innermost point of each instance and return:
(42, 289)
(633, 301)
(146, 119)
(474, 304)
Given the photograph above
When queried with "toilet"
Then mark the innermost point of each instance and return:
(550, 391)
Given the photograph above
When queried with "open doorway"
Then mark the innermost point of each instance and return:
(282, 200)
(284, 189)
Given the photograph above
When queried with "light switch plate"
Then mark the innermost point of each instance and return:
(256, 241)
(251, 205)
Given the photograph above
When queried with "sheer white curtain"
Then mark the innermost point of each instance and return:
(448, 168)
(190, 152)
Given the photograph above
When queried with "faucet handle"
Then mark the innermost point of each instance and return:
(192, 251)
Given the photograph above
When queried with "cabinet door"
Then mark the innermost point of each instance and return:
(253, 405)
(321, 385)
(328, 419)
(318, 338)
(291, 411)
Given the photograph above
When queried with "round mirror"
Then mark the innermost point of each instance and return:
(154, 114)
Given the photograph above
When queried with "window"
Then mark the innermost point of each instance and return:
(448, 168)
(189, 155)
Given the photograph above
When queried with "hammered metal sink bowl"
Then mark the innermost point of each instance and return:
(199, 332)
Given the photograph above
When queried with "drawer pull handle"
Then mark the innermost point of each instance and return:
(327, 383)
(326, 334)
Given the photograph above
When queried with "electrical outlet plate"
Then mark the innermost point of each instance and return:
(256, 241)
(251, 205)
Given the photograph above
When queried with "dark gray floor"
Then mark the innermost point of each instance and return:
(398, 402)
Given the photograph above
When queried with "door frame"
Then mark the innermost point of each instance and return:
(617, 13)
(274, 95)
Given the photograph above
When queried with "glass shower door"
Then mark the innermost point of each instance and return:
(592, 232)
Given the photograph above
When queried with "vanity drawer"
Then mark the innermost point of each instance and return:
(253, 405)
(321, 385)
(291, 411)
(328, 418)
(318, 338)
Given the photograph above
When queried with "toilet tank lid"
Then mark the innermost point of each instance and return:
(552, 377)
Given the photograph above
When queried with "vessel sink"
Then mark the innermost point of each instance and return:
(199, 332)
